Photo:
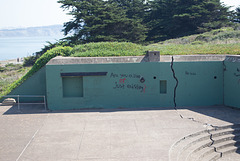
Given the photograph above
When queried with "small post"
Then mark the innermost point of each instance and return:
(18, 104)
(45, 103)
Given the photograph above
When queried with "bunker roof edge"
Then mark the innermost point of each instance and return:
(59, 60)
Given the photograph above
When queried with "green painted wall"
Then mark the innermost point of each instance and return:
(35, 85)
(121, 87)
(232, 84)
(200, 83)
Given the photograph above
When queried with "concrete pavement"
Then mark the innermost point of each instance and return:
(33, 134)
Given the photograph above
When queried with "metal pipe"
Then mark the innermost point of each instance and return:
(18, 99)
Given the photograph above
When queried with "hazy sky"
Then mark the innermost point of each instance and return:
(26, 13)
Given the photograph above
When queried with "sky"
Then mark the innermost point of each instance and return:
(234, 3)
(31, 13)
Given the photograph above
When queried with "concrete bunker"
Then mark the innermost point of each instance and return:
(138, 81)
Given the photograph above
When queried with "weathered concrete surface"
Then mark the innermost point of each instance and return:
(59, 60)
(231, 157)
(103, 135)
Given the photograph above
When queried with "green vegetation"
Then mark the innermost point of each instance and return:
(103, 49)
(105, 20)
(9, 74)
(141, 21)
(219, 41)
(226, 35)
(188, 49)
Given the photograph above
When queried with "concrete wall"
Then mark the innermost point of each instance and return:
(139, 84)
(121, 87)
(200, 83)
(232, 82)
(35, 85)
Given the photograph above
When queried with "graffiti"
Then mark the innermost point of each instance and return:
(144, 88)
(119, 86)
(114, 75)
(122, 80)
(137, 87)
(190, 73)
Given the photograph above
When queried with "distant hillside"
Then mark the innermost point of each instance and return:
(54, 30)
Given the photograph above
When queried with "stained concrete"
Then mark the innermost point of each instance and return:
(102, 135)
(59, 60)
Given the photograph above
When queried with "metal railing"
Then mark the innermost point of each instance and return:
(28, 96)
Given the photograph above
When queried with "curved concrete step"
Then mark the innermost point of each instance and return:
(224, 132)
(225, 138)
(181, 145)
(204, 153)
(226, 144)
(203, 144)
(187, 153)
(221, 144)
(200, 143)
(229, 149)
(230, 157)
(212, 157)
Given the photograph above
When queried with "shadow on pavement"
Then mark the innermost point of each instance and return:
(40, 109)
(224, 113)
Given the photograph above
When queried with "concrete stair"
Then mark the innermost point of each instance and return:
(8, 102)
(207, 145)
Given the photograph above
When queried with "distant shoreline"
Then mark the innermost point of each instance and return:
(13, 61)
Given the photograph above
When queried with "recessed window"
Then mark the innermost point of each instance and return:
(72, 86)
(163, 86)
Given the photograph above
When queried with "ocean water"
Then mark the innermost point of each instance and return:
(18, 47)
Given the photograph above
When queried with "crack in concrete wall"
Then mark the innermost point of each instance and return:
(175, 88)
(191, 118)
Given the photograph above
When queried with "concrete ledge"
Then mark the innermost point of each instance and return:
(95, 60)
(59, 60)
(192, 58)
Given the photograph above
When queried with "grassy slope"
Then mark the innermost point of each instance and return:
(221, 41)
(9, 74)
(104, 49)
